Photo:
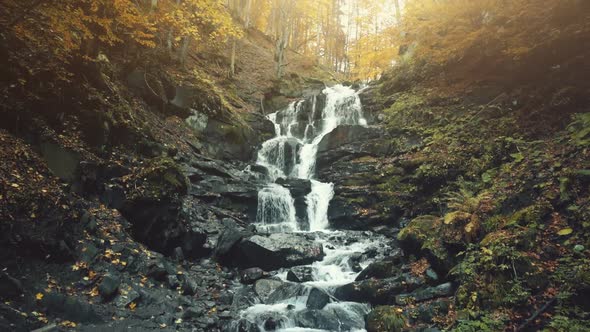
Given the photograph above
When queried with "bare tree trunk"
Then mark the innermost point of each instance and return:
(184, 49)
(232, 69)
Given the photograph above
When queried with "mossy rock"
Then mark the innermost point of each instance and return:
(386, 319)
(160, 179)
(423, 235)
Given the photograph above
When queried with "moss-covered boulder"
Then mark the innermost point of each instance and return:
(154, 204)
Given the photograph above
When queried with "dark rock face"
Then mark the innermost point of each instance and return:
(233, 141)
(154, 206)
(299, 189)
(347, 141)
(277, 250)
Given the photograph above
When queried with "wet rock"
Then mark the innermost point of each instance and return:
(317, 319)
(354, 261)
(245, 297)
(300, 274)
(297, 187)
(317, 299)
(278, 250)
(251, 275)
(386, 268)
(425, 294)
(350, 314)
(265, 287)
(109, 286)
(244, 325)
(10, 287)
(284, 292)
(378, 291)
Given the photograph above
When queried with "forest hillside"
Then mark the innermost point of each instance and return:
(282, 165)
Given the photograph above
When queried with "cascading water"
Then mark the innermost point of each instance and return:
(292, 154)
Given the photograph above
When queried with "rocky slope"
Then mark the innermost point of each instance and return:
(124, 190)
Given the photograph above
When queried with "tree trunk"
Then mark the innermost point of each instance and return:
(184, 50)
(232, 69)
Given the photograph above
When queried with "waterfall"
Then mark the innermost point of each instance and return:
(292, 153)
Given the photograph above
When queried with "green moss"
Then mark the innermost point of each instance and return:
(386, 319)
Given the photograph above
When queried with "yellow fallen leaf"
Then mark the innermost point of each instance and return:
(565, 231)
(14, 185)
(132, 306)
(39, 296)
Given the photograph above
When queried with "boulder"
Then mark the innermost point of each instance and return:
(244, 325)
(317, 319)
(246, 296)
(300, 274)
(109, 286)
(277, 251)
(284, 292)
(264, 287)
(387, 268)
(425, 294)
(251, 275)
(378, 291)
(350, 314)
(231, 234)
(154, 202)
(317, 299)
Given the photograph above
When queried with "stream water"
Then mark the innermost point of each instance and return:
(292, 154)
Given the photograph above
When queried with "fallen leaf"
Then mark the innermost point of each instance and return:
(39, 296)
(565, 231)
(132, 306)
